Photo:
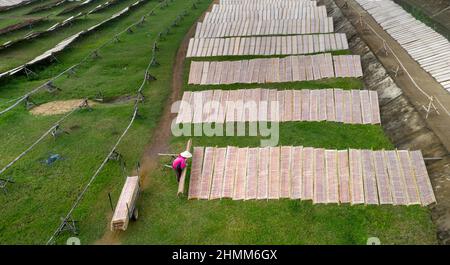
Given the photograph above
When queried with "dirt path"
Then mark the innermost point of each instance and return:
(440, 124)
(159, 143)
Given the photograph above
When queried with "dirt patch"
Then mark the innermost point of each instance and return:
(58, 107)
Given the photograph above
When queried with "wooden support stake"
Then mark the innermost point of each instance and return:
(430, 108)
(29, 73)
(110, 202)
(183, 174)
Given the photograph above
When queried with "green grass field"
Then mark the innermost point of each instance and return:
(42, 194)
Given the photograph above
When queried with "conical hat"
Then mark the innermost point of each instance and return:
(186, 154)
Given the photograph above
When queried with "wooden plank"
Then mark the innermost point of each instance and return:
(251, 67)
(205, 47)
(229, 73)
(230, 172)
(306, 102)
(339, 105)
(314, 105)
(357, 64)
(366, 107)
(194, 48)
(422, 179)
(205, 73)
(308, 173)
(288, 105)
(224, 72)
(263, 173)
(193, 72)
(282, 70)
(221, 112)
(280, 99)
(384, 188)
(344, 177)
(331, 115)
(322, 114)
(320, 181)
(375, 107)
(208, 111)
(184, 106)
(256, 99)
(237, 71)
(295, 45)
(188, 112)
(315, 59)
(274, 107)
(210, 48)
(198, 107)
(274, 171)
(295, 68)
(244, 73)
(329, 63)
(332, 183)
(347, 106)
(252, 174)
(356, 107)
(207, 173)
(126, 200)
(302, 68)
(276, 70)
(399, 194)
(288, 61)
(212, 70)
(356, 177)
(297, 105)
(196, 173)
(217, 73)
(241, 174)
(219, 170)
(285, 172)
(263, 105)
(190, 47)
(409, 176)
(296, 175)
(255, 73)
(370, 182)
(309, 68)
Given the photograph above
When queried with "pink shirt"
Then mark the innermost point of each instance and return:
(179, 161)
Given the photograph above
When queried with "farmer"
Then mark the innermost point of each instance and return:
(180, 163)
